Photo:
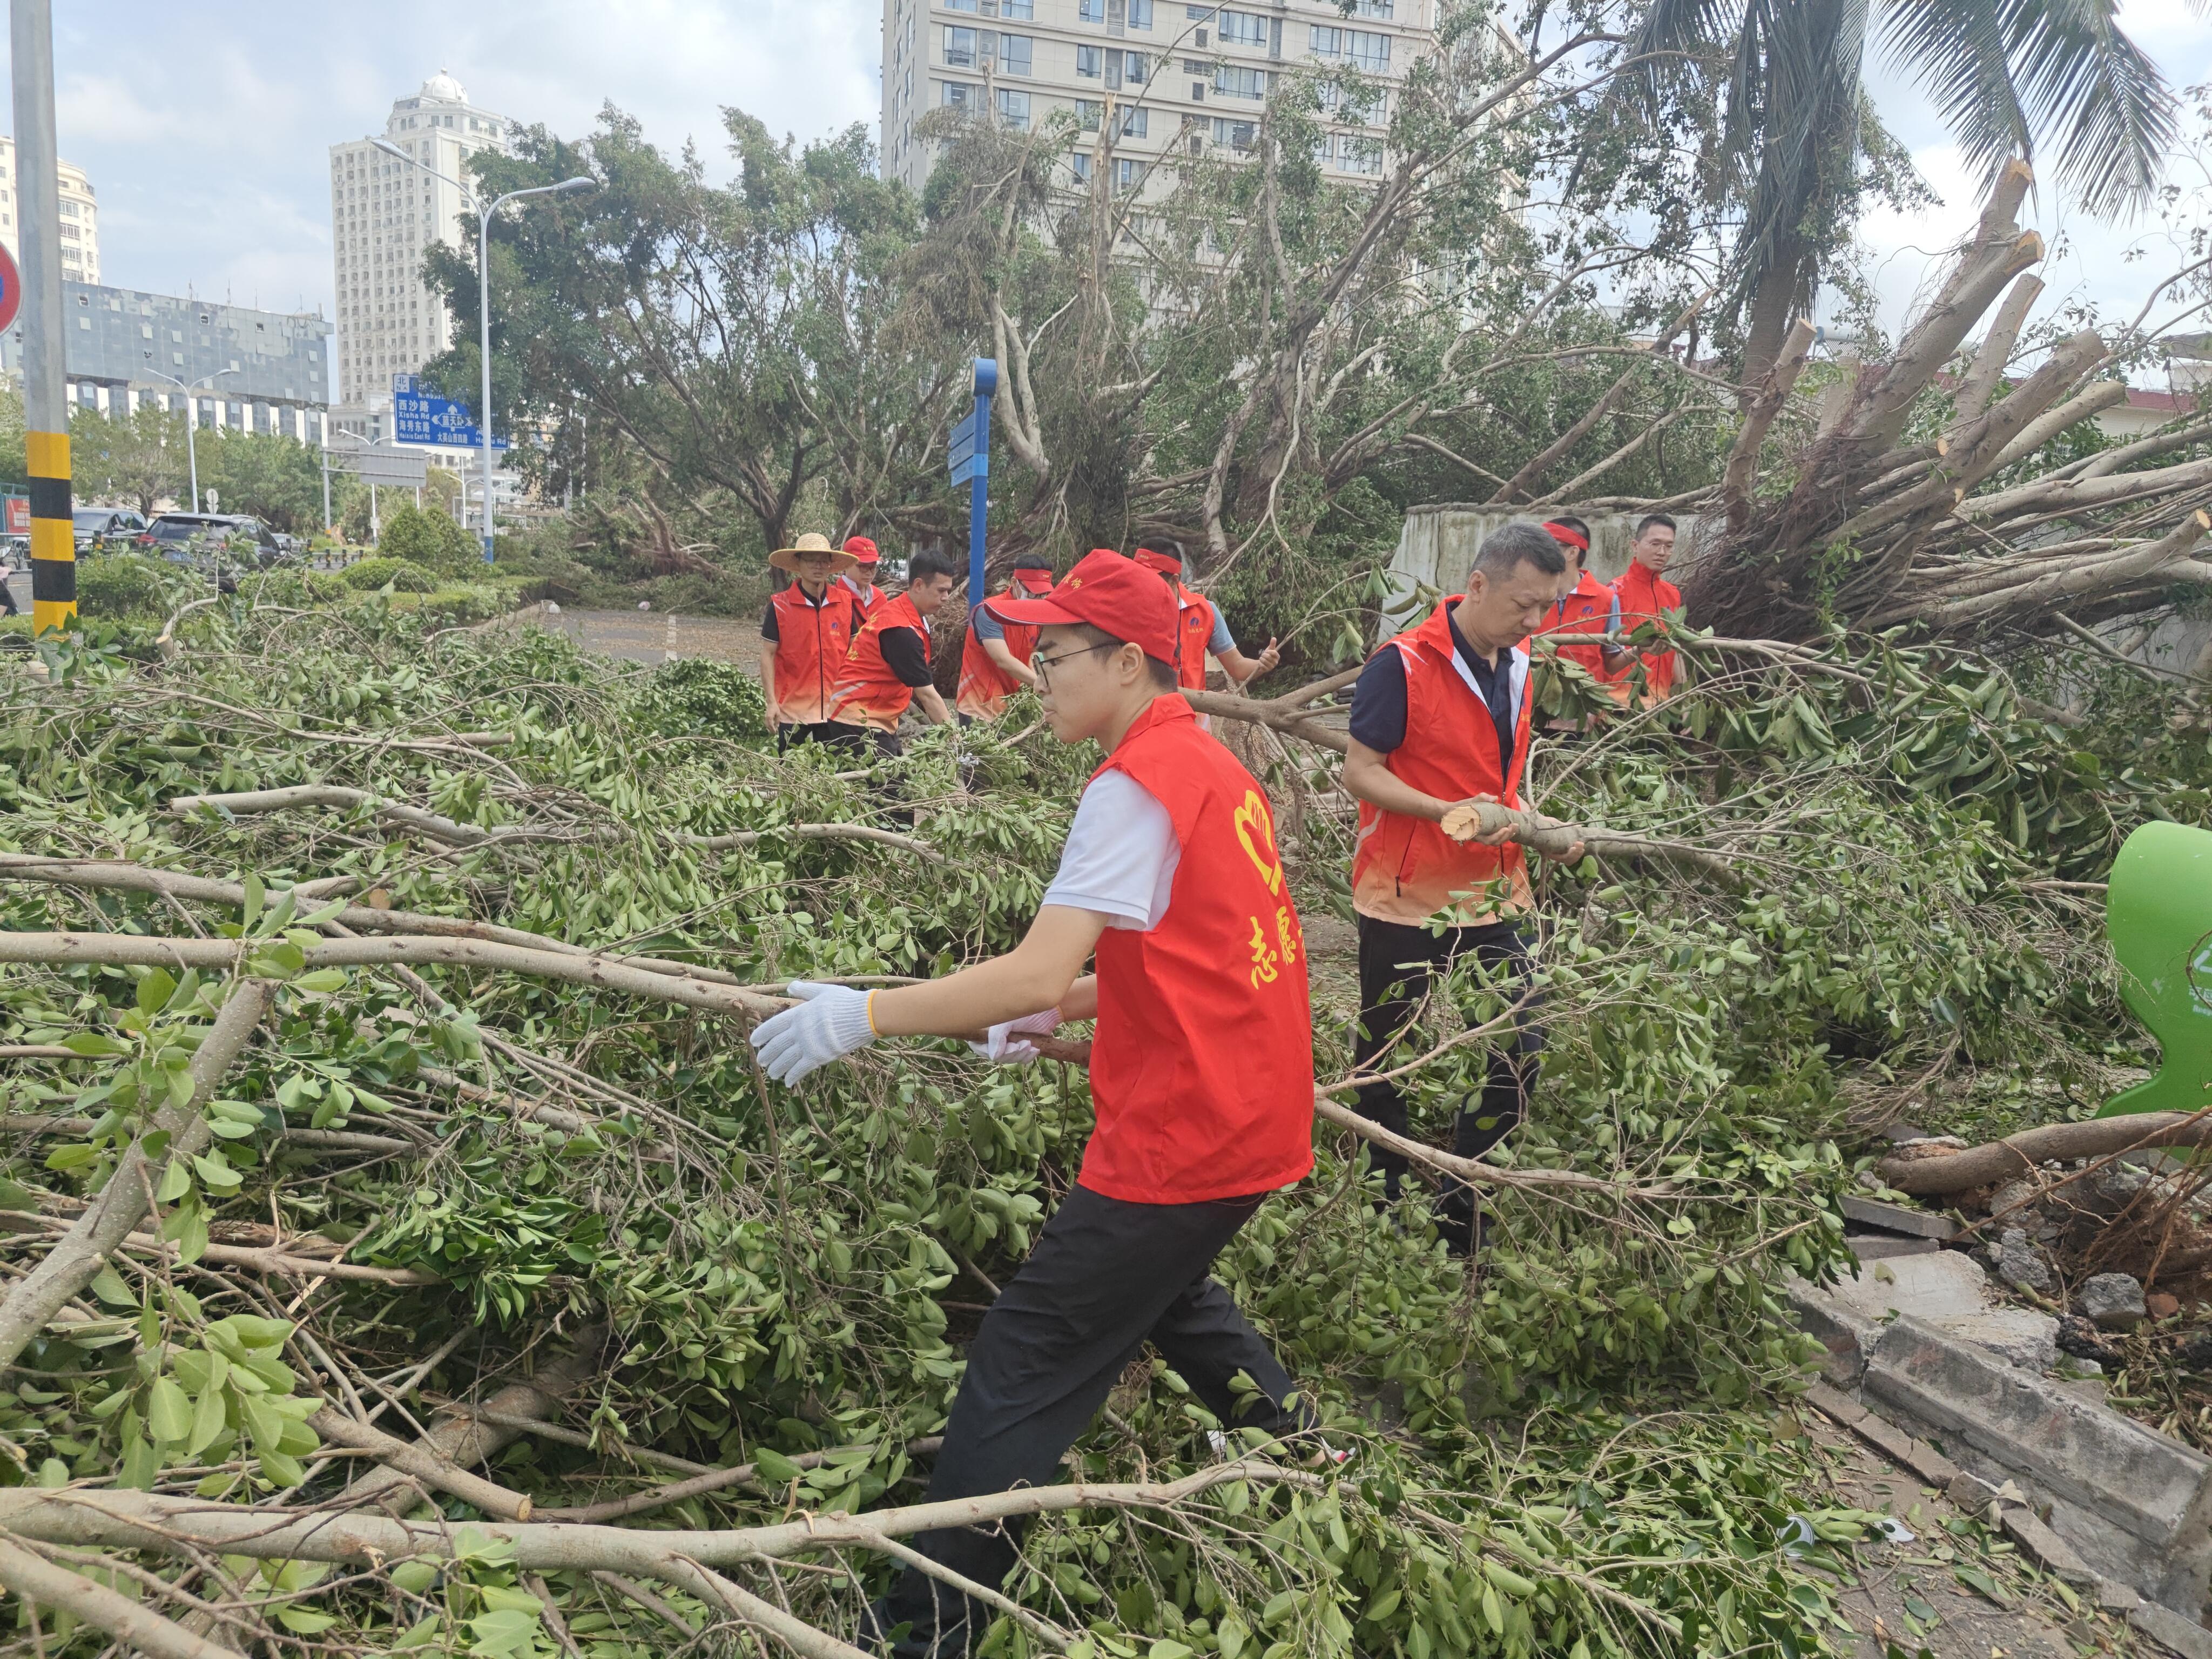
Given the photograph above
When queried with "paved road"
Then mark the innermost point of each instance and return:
(649, 637)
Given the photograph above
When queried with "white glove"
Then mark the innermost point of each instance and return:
(830, 1021)
(1002, 1044)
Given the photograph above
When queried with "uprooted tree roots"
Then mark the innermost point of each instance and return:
(399, 1239)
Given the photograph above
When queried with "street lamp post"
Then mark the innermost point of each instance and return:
(192, 421)
(483, 289)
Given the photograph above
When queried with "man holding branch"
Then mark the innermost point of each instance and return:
(1440, 717)
(1201, 1078)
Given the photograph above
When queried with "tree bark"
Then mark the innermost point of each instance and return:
(1936, 1173)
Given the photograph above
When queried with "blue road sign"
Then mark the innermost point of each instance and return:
(422, 417)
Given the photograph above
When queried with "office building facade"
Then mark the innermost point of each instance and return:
(1179, 77)
(268, 370)
(385, 214)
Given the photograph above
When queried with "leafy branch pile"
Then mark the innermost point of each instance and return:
(387, 1176)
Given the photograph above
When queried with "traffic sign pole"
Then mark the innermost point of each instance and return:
(979, 476)
(45, 398)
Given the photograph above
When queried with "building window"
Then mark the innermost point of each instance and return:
(1237, 135)
(959, 47)
(1136, 123)
(1014, 53)
(1013, 107)
(1091, 11)
(959, 5)
(68, 210)
(957, 95)
(1199, 14)
(1372, 8)
(1087, 113)
(1088, 60)
(1136, 67)
(1198, 91)
(1025, 9)
(1141, 14)
(1364, 48)
(1234, 81)
(1080, 165)
(1242, 28)
(1125, 173)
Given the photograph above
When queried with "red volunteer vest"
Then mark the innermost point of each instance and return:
(1193, 627)
(867, 598)
(868, 692)
(811, 644)
(985, 686)
(1585, 611)
(1406, 869)
(1201, 1072)
(1647, 596)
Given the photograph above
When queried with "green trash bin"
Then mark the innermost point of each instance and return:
(2158, 915)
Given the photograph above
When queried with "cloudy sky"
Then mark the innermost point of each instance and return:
(207, 140)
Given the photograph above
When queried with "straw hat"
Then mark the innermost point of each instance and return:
(786, 558)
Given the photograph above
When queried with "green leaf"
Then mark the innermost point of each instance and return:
(155, 992)
(217, 1173)
(107, 1285)
(93, 1044)
(1979, 1582)
(266, 1427)
(53, 1473)
(176, 1181)
(255, 893)
(75, 1156)
(210, 1417)
(169, 1411)
(506, 1634)
(281, 1470)
(323, 980)
(774, 1465)
(305, 1621)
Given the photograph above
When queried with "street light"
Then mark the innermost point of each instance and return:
(483, 288)
(192, 420)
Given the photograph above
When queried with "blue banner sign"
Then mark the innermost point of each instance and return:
(422, 417)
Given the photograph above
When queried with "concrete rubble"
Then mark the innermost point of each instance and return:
(2114, 1302)
(1923, 1365)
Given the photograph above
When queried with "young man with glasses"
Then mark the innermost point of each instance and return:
(1201, 1080)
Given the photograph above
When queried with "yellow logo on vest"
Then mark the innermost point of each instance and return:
(1252, 816)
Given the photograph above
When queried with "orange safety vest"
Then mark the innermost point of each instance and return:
(1587, 610)
(1201, 1070)
(867, 598)
(1406, 869)
(868, 692)
(985, 686)
(811, 643)
(1193, 627)
(1647, 596)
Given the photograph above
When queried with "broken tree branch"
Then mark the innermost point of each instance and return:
(1945, 1169)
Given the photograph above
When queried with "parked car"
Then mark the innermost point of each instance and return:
(106, 526)
(228, 541)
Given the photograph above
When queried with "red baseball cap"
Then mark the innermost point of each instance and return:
(863, 549)
(1109, 593)
(1033, 581)
(1164, 560)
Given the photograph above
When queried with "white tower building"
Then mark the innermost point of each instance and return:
(384, 214)
(80, 224)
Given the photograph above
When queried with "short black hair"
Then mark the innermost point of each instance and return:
(927, 564)
(1165, 546)
(1506, 550)
(1648, 520)
(1031, 561)
(1163, 673)
(1568, 521)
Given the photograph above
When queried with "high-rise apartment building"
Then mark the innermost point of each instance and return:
(80, 223)
(1179, 77)
(383, 213)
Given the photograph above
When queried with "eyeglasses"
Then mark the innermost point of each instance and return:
(1042, 664)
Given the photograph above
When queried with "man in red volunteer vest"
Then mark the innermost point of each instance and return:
(994, 658)
(887, 669)
(1586, 606)
(1441, 715)
(1199, 627)
(867, 598)
(1645, 595)
(1200, 1078)
(805, 634)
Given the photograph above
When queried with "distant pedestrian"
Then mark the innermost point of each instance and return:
(994, 658)
(887, 669)
(805, 633)
(1645, 595)
(860, 581)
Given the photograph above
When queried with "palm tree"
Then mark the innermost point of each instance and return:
(1793, 128)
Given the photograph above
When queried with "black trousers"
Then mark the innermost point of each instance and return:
(1397, 964)
(791, 733)
(859, 739)
(1105, 1277)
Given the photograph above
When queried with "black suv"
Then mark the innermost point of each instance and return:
(218, 544)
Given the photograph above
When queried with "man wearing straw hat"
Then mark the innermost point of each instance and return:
(805, 633)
